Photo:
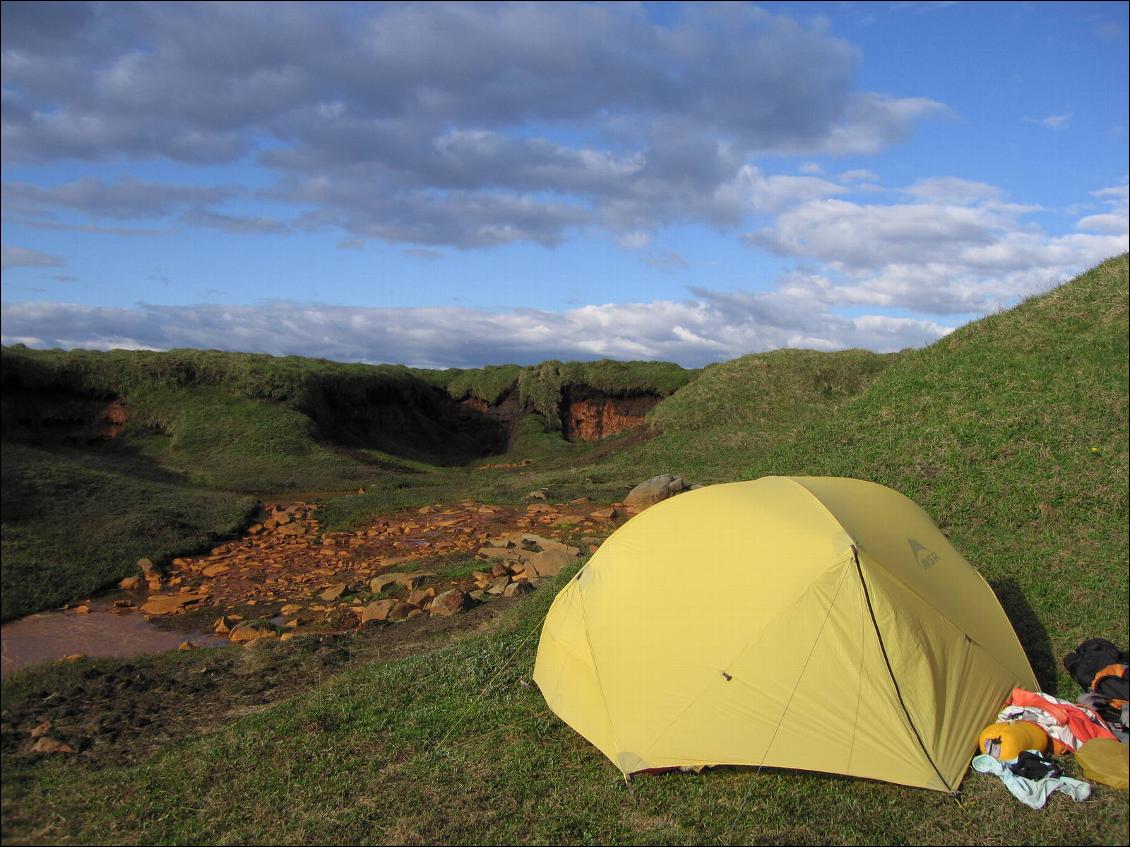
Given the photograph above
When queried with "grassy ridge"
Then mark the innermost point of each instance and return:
(541, 387)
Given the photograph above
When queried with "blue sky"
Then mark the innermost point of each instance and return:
(458, 185)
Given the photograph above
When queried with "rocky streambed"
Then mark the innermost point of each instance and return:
(287, 576)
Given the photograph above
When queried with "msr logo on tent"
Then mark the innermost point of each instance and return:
(925, 556)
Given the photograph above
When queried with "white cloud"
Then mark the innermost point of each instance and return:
(714, 326)
(859, 175)
(423, 123)
(951, 189)
(1061, 121)
(24, 257)
(959, 249)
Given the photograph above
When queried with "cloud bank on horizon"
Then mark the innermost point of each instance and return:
(716, 179)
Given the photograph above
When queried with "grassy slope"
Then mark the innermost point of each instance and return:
(716, 426)
(980, 429)
(1012, 434)
(75, 522)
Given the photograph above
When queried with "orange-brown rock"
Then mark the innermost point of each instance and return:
(167, 604)
(47, 744)
(449, 603)
(378, 610)
(252, 631)
(41, 729)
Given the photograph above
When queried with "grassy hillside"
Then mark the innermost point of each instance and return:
(75, 522)
(1012, 433)
(711, 430)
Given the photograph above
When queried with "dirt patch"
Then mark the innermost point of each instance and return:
(118, 713)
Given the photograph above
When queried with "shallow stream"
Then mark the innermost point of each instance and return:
(104, 631)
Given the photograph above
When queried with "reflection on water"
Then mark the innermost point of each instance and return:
(54, 635)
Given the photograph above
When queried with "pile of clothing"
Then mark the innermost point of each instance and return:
(1033, 727)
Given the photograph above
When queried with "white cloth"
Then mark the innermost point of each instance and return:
(1032, 792)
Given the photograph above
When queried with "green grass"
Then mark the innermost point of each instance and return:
(76, 522)
(456, 746)
(489, 384)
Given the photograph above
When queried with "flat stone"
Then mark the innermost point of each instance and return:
(216, 569)
(498, 553)
(167, 604)
(333, 592)
(51, 745)
(378, 610)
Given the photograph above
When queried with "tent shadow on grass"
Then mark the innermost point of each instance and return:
(1033, 637)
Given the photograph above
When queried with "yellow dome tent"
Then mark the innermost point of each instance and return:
(817, 623)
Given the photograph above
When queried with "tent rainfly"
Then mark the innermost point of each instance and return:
(817, 623)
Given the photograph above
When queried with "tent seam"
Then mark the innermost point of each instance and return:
(894, 680)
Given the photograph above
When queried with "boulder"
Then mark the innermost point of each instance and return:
(498, 585)
(249, 631)
(412, 581)
(421, 596)
(449, 603)
(655, 489)
(401, 611)
(130, 583)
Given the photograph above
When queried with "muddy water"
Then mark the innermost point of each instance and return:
(54, 635)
